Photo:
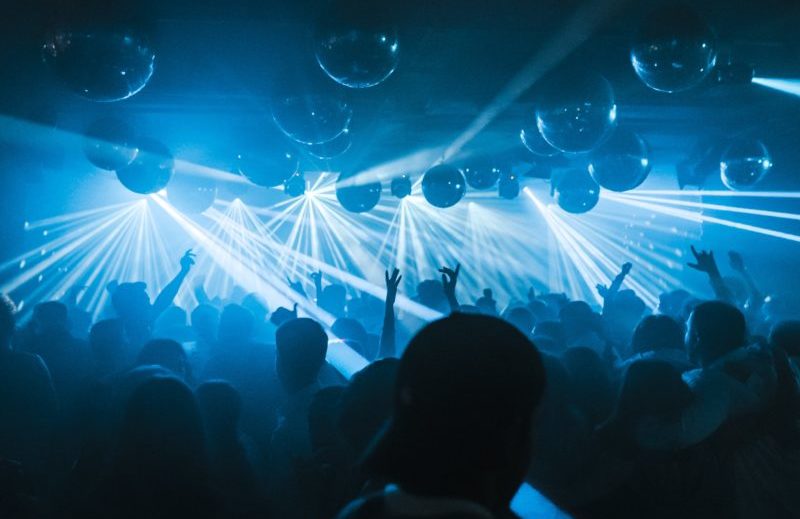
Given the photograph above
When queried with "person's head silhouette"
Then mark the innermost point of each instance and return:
(466, 391)
(715, 329)
(657, 332)
(301, 346)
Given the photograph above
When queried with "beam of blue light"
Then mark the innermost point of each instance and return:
(703, 206)
(785, 85)
(697, 217)
(719, 193)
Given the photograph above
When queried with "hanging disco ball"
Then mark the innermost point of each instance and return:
(357, 196)
(295, 185)
(481, 175)
(744, 164)
(674, 50)
(269, 167)
(535, 143)
(109, 144)
(312, 119)
(192, 194)
(576, 111)
(508, 186)
(576, 192)
(100, 65)
(333, 148)
(150, 171)
(443, 185)
(356, 45)
(621, 163)
(401, 186)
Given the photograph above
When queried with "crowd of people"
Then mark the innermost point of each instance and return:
(232, 411)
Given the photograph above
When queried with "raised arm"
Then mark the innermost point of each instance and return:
(316, 277)
(449, 282)
(168, 293)
(609, 293)
(705, 262)
(388, 334)
(755, 296)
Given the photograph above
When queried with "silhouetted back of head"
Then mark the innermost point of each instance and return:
(51, 316)
(657, 332)
(205, 321)
(165, 353)
(7, 320)
(467, 387)
(161, 429)
(131, 302)
(367, 403)
(652, 388)
(220, 405)
(301, 348)
(521, 318)
(107, 340)
(786, 335)
(349, 330)
(256, 306)
(235, 324)
(715, 329)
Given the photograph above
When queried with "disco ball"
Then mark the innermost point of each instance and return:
(192, 194)
(481, 175)
(356, 45)
(401, 186)
(443, 185)
(109, 144)
(576, 111)
(269, 167)
(312, 119)
(535, 143)
(744, 164)
(576, 192)
(508, 186)
(150, 171)
(100, 65)
(295, 185)
(333, 148)
(674, 50)
(355, 196)
(621, 163)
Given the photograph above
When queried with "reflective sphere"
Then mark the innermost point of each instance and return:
(576, 111)
(150, 171)
(333, 148)
(576, 192)
(192, 194)
(508, 186)
(109, 144)
(268, 167)
(312, 119)
(535, 143)
(481, 175)
(295, 185)
(744, 164)
(357, 196)
(355, 45)
(100, 65)
(443, 185)
(401, 186)
(621, 163)
(674, 50)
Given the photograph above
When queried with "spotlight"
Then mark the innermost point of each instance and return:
(401, 186)
(295, 185)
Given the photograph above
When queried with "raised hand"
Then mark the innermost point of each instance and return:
(626, 268)
(704, 261)
(297, 287)
(602, 290)
(316, 277)
(187, 260)
(449, 282)
(392, 282)
(737, 262)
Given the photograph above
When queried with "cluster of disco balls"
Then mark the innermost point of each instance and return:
(576, 114)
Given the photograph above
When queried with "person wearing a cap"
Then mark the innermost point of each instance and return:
(458, 443)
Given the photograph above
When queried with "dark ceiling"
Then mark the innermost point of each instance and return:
(218, 62)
